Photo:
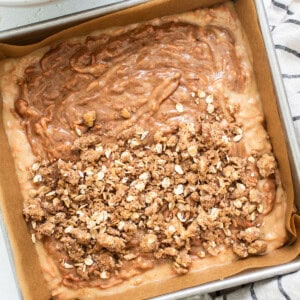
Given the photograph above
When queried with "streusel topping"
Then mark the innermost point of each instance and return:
(135, 203)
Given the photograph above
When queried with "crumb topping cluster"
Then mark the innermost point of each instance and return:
(171, 196)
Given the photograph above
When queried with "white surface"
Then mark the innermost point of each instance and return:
(22, 2)
(8, 288)
(11, 17)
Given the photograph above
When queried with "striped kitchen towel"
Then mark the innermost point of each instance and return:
(284, 21)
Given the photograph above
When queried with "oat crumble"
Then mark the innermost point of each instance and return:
(181, 196)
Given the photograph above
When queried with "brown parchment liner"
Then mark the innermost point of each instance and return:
(25, 258)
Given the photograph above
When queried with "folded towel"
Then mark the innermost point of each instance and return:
(284, 21)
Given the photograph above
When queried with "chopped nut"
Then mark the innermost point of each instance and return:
(260, 208)
(125, 113)
(201, 254)
(158, 137)
(45, 229)
(237, 138)
(253, 216)
(121, 225)
(183, 262)
(201, 94)
(180, 270)
(37, 178)
(139, 185)
(144, 135)
(52, 193)
(179, 107)
(130, 198)
(68, 229)
(192, 150)
(134, 143)
(225, 139)
(266, 165)
(227, 231)
(212, 169)
(251, 159)
(107, 153)
(171, 229)
(149, 243)
(238, 203)
(99, 148)
(89, 118)
(241, 187)
(158, 148)
(166, 182)
(67, 266)
(110, 242)
(210, 108)
(35, 167)
(100, 175)
(126, 156)
(255, 196)
(32, 210)
(240, 250)
(32, 193)
(203, 164)
(144, 176)
(78, 131)
(90, 155)
(178, 190)
(209, 99)
(172, 141)
(214, 213)
(81, 235)
(88, 261)
(252, 208)
(239, 130)
(178, 169)
(33, 238)
(181, 217)
(103, 216)
(104, 275)
(250, 234)
(86, 141)
(33, 224)
(257, 247)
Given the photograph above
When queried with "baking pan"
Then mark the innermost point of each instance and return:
(22, 35)
(234, 281)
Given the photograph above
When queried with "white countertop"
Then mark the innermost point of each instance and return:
(12, 17)
(8, 285)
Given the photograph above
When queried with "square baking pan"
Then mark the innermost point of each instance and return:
(32, 33)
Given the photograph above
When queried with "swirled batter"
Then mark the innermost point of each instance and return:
(144, 72)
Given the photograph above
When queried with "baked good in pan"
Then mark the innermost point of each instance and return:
(141, 153)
